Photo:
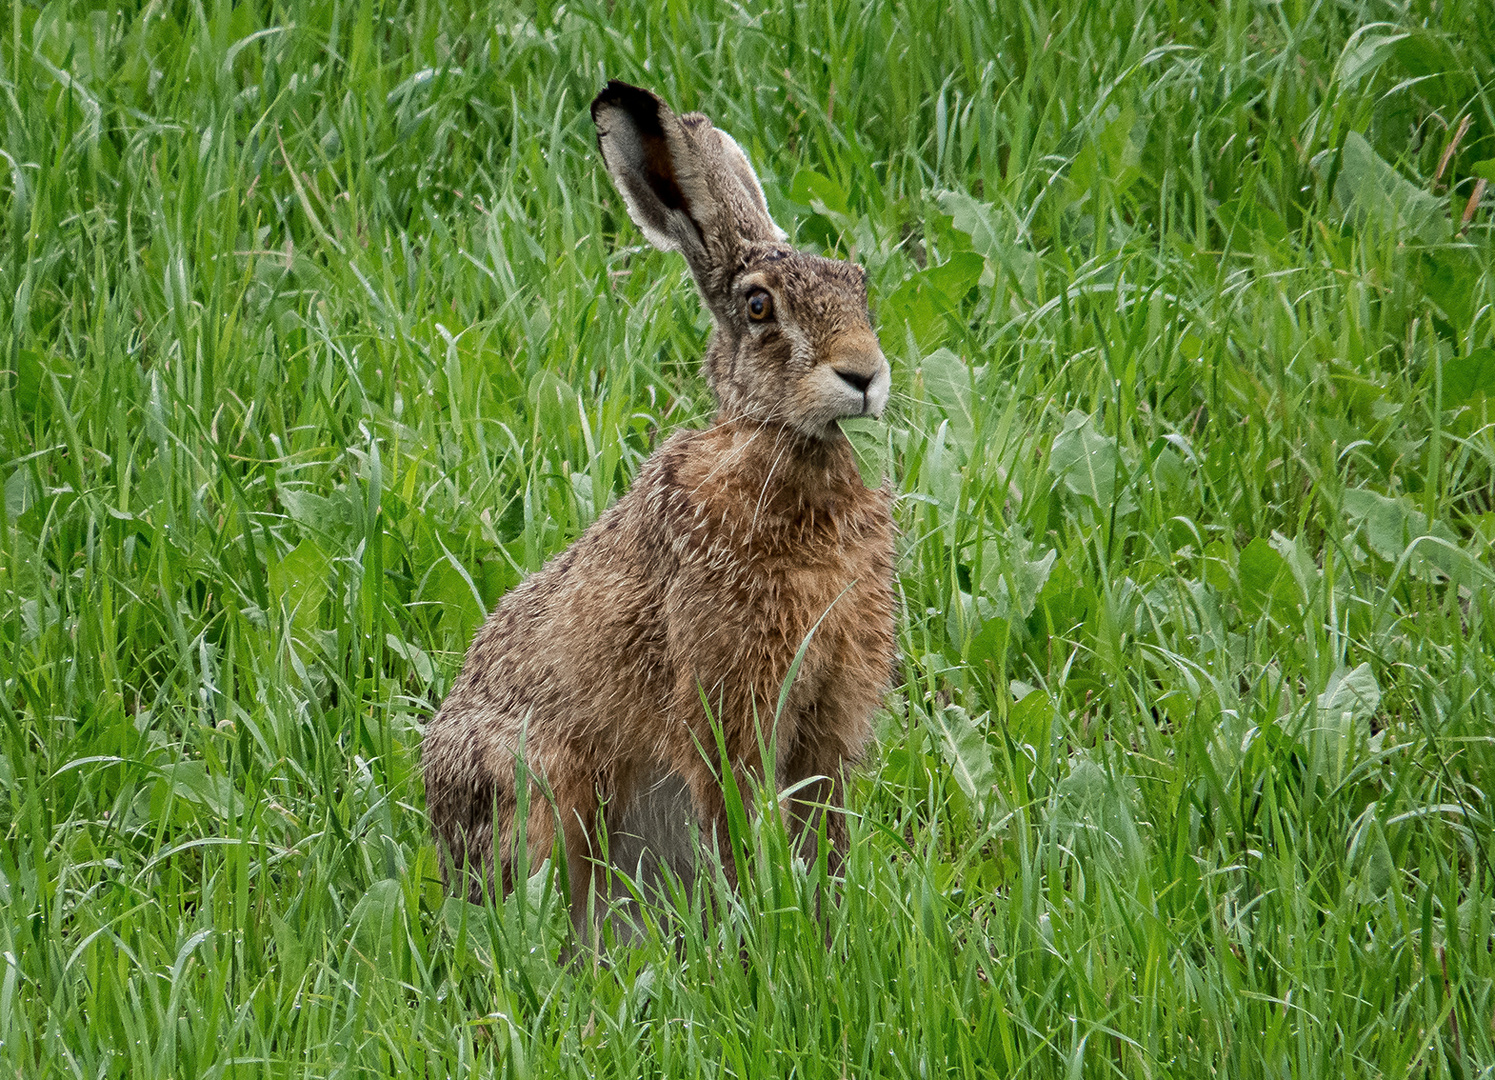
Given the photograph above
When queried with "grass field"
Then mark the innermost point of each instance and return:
(322, 325)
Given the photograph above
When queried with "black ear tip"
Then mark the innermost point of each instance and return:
(637, 102)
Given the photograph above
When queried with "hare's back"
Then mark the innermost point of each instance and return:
(570, 650)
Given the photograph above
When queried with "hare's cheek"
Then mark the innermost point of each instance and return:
(774, 353)
(817, 391)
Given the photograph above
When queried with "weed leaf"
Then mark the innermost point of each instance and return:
(1085, 460)
(966, 751)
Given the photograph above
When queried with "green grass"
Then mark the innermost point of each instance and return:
(323, 324)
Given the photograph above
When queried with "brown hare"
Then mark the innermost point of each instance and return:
(702, 582)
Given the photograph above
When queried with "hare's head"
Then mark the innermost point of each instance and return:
(794, 343)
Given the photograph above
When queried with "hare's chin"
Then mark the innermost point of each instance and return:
(827, 425)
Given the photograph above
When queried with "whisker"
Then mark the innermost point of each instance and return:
(763, 492)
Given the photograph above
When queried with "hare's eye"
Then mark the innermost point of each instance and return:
(759, 306)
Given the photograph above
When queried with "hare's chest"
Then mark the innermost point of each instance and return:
(811, 605)
(776, 596)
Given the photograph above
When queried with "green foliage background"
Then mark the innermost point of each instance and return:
(322, 326)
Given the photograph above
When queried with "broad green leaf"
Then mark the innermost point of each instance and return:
(304, 507)
(956, 276)
(1170, 474)
(1345, 707)
(20, 493)
(375, 919)
(1423, 53)
(925, 298)
(31, 369)
(911, 308)
(966, 751)
(1374, 195)
(1219, 566)
(298, 582)
(1266, 579)
(1364, 53)
(1085, 460)
(983, 223)
(810, 188)
(318, 513)
(191, 780)
(1065, 600)
(1245, 218)
(291, 946)
(1013, 579)
(871, 445)
(1394, 527)
(973, 218)
(1031, 720)
(989, 643)
(462, 611)
(1354, 693)
(947, 379)
(1096, 811)
(1469, 378)
(415, 657)
(1390, 524)
(555, 402)
(1299, 560)
(1451, 278)
(939, 473)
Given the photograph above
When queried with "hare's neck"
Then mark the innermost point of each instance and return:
(783, 478)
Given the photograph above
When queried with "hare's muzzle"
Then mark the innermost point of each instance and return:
(863, 377)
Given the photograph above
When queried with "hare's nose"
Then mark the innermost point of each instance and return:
(856, 380)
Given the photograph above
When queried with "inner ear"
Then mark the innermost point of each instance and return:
(657, 164)
(659, 169)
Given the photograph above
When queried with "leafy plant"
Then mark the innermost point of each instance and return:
(322, 327)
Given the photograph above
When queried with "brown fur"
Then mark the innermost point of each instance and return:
(704, 580)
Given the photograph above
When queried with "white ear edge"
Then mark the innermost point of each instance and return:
(663, 241)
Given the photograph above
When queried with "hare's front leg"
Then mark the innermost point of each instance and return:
(828, 744)
(709, 800)
(574, 820)
(823, 797)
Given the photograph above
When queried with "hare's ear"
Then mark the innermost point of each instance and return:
(756, 207)
(688, 186)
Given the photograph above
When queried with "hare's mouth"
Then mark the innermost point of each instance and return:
(834, 393)
(859, 392)
(875, 400)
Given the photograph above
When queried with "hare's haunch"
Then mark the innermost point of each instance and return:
(735, 542)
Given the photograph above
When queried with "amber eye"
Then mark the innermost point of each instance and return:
(759, 306)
